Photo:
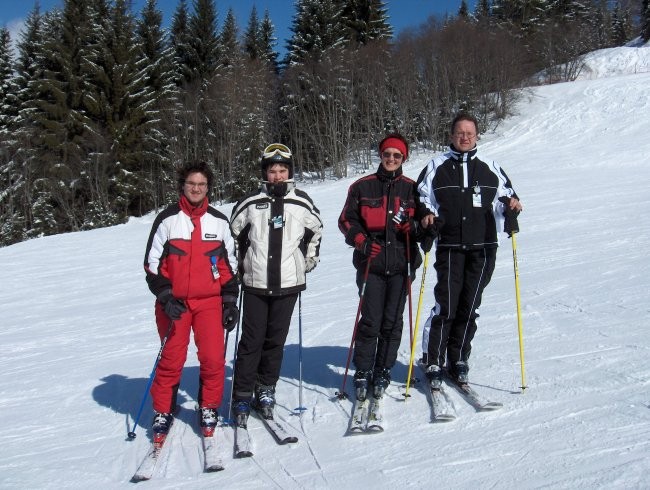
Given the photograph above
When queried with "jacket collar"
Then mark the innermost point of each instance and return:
(193, 211)
(384, 174)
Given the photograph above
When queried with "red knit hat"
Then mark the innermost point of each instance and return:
(395, 140)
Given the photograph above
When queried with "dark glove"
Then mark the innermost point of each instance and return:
(431, 233)
(510, 224)
(173, 307)
(367, 245)
(230, 315)
(310, 263)
(407, 226)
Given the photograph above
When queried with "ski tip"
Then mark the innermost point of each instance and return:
(138, 478)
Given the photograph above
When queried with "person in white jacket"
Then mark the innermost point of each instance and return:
(278, 232)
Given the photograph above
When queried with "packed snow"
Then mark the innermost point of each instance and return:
(78, 340)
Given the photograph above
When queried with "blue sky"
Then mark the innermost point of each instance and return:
(403, 13)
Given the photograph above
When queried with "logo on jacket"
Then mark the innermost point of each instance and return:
(210, 236)
(262, 205)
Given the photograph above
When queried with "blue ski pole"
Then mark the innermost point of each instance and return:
(131, 433)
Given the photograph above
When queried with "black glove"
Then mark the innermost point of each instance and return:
(431, 233)
(367, 245)
(510, 224)
(230, 315)
(173, 307)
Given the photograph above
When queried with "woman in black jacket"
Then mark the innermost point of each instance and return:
(378, 221)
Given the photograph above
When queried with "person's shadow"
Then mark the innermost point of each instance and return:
(323, 368)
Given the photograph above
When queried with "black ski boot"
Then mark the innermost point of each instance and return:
(241, 410)
(361, 383)
(209, 419)
(459, 372)
(265, 400)
(381, 380)
(434, 375)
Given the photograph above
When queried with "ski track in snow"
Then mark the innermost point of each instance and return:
(78, 341)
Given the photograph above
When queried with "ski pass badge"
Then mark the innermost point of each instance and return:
(215, 271)
(277, 222)
(476, 196)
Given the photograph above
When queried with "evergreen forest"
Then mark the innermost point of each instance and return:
(99, 104)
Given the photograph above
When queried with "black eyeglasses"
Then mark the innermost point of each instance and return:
(396, 156)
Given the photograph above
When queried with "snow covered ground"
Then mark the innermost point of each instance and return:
(77, 337)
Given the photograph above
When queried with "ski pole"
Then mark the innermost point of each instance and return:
(234, 358)
(408, 286)
(131, 434)
(417, 323)
(342, 394)
(301, 407)
(519, 321)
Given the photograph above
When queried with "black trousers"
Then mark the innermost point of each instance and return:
(265, 326)
(380, 328)
(462, 277)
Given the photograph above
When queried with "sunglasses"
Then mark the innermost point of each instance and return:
(275, 149)
(396, 156)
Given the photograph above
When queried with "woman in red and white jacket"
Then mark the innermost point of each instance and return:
(190, 265)
(378, 221)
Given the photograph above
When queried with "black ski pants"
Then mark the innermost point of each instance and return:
(380, 328)
(265, 326)
(462, 277)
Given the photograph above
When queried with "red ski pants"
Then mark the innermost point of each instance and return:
(203, 317)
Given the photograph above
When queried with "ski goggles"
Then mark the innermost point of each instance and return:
(276, 149)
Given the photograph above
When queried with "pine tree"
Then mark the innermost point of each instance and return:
(268, 41)
(204, 47)
(180, 44)
(482, 11)
(463, 10)
(230, 47)
(317, 28)
(160, 79)
(365, 21)
(62, 122)
(645, 20)
(252, 42)
(8, 99)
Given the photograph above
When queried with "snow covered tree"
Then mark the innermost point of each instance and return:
(203, 41)
(482, 11)
(252, 42)
(365, 21)
(268, 41)
(317, 28)
(230, 48)
(61, 122)
(645, 20)
(463, 10)
(159, 73)
(180, 43)
(8, 100)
